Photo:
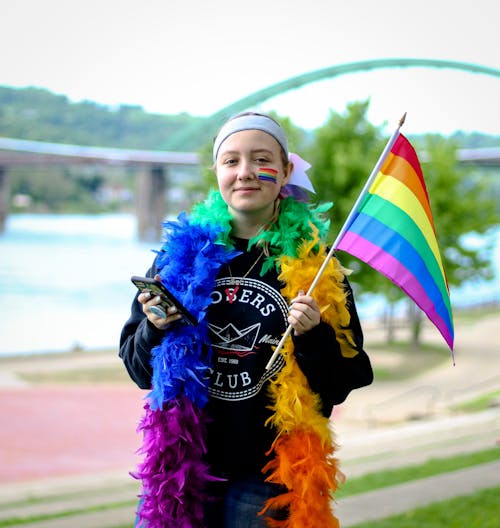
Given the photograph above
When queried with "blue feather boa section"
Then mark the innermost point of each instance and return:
(189, 269)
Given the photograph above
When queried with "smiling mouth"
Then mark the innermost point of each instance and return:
(246, 189)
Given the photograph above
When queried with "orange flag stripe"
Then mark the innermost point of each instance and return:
(399, 168)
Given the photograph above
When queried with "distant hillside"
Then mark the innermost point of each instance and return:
(38, 114)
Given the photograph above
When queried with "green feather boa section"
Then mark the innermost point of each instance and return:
(282, 237)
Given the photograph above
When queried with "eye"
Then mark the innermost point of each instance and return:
(230, 161)
(262, 160)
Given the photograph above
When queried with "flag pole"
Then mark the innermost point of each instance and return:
(346, 225)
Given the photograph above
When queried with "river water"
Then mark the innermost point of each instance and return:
(65, 281)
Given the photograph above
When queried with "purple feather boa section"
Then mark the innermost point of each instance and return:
(173, 473)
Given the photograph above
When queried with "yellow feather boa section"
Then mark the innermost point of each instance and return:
(304, 448)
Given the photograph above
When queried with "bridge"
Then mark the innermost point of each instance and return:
(155, 166)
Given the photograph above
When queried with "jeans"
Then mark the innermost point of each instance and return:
(237, 504)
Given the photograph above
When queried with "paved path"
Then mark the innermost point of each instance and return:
(61, 430)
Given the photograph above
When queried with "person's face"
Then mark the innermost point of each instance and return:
(250, 172)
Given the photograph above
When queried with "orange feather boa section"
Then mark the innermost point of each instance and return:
(304, 450)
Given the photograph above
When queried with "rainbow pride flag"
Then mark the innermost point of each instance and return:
(392, 230)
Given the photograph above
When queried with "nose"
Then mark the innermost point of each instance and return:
(246, 169)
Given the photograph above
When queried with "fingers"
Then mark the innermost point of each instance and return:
(304, 314)
(156, 313)
(144, 297)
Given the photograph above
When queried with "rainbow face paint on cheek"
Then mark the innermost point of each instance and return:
(267, 174)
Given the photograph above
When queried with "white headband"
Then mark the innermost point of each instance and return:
(251, 122)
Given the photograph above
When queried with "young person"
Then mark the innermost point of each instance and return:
(230, 441)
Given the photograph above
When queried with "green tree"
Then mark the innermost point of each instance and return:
(462, 204)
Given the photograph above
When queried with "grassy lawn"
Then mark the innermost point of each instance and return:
(479, 510)
(20, 520)
(432, 467)
(482, 403)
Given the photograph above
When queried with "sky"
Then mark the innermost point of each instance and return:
(197, 56)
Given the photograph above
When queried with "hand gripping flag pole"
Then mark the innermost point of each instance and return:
(406, 222)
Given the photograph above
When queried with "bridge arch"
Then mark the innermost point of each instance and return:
(298, 81)
(214, 121)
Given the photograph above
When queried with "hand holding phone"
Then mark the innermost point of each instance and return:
(147, 284)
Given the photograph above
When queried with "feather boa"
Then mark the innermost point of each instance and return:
(304, 459)
(173, 473)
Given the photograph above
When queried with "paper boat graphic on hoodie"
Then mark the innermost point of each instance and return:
(230, 338)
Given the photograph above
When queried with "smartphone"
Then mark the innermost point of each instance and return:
(168, 299)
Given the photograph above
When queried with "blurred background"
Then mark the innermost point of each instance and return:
(107, 114)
